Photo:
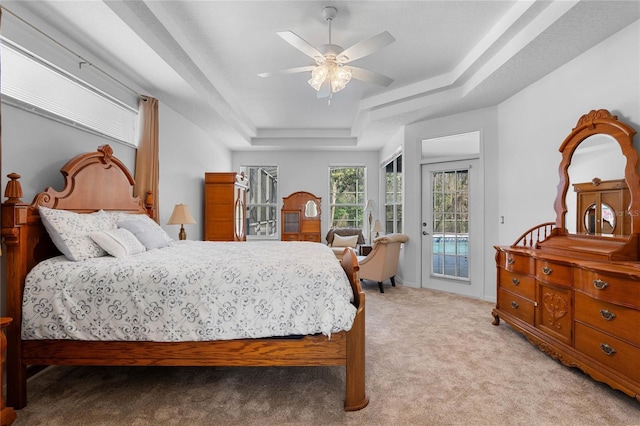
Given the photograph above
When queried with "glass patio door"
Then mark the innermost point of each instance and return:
(451, 227)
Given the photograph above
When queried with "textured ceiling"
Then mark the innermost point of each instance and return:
(202, 58)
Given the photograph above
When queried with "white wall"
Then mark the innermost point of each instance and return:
(36, 148)
(534, 122)
(186, 154)
(309, 171)
(520, 141)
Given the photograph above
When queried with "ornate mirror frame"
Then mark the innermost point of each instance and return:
(600, 122)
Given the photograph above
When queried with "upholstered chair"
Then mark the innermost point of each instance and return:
(339, 238)
(382, 263)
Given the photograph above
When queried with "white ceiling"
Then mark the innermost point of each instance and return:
(202, 58)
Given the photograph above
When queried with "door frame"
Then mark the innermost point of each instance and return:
(475, 286)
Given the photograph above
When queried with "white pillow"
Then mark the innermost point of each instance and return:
(118, 242)
(70, 232)
(340, 241)
(118, 217)
(146, 233)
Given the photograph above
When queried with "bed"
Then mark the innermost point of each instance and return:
(96, 183)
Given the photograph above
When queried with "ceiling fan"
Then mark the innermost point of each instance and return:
(330, 73)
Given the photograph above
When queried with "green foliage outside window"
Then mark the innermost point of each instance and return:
(346, 196)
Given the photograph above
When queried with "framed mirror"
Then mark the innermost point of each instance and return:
(311, 209)
(597, 131)
(597, 159)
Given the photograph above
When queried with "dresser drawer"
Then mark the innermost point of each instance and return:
(609, 288)
(554, 273)
(522, 285)
(610, 351)
(518, 263)
(614, 319)
(516, 305)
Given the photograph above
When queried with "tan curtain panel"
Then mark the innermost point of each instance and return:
(147, 174)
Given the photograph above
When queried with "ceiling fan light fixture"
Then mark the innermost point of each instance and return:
(318, 75)
(329, 75)
(338, 76)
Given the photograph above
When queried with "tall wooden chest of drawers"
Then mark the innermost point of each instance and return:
(225, 207)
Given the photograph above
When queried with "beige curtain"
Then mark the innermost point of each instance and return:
(147, 173)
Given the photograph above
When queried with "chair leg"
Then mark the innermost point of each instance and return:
(393, 280)
(380, 285)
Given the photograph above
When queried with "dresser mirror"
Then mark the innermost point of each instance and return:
(600, 148)
(597, 158)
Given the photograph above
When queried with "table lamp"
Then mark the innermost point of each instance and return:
(181, 216)
(377, 228)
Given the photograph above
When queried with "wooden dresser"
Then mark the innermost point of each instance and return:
(301, 217)
(577, 296)
(225, 208)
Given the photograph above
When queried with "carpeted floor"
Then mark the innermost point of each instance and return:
(432, 359)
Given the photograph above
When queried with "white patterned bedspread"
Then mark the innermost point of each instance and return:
(190, 291)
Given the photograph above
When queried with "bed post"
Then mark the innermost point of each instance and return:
(356, 396)
(14, 215)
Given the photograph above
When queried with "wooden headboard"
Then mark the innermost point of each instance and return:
(92, 181)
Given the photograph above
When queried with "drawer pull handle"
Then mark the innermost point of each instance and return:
(607, 314)
(514, 305)
(511, 260)
(515, 281)
(600, 285)
(546, 270)
(607, 349)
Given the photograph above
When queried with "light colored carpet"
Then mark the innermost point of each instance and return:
(432, 359)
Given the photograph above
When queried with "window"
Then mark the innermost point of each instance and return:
(450, 236)
(33, 84)
(262, 218)
(393, 195)
(346, 196)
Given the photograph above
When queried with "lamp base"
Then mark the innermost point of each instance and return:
(182, 234)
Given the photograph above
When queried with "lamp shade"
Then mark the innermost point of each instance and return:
(370, 206)
(181, 216)
(377, 227)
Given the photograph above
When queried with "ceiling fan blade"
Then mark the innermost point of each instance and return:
(366, 47)
(287, 71)
(296, 41)
(325, 89)
(370, 76)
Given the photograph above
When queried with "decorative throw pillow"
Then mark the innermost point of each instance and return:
(340, 241)
(118, 242)
(146, 233)
(118, 217)
(70, 232)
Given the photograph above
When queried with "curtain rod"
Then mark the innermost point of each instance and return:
(82, 60)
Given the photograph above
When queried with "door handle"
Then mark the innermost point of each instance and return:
(425, 233)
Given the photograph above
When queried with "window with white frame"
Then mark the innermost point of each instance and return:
(347, 196)
(393, 195)
(262, 209)
(36, 85)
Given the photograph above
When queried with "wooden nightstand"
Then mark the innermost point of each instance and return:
(365, 249)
